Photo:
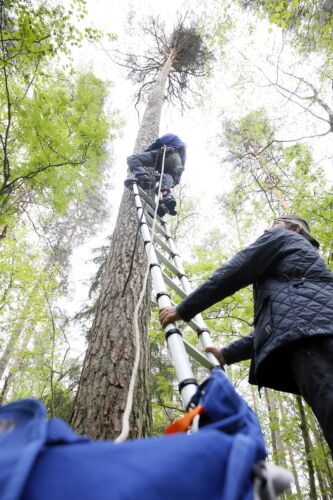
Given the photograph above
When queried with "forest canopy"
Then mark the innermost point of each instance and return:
(248, 86)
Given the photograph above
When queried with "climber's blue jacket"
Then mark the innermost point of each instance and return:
(172, 141)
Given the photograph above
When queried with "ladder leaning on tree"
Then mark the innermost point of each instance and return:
(162, 253)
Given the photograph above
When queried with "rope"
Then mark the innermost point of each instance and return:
(129, 403)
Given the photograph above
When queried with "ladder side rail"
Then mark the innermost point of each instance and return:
(203, 332)
(195, 327)
(198, 325)
(187, 382)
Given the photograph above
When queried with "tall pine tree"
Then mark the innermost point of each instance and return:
(163, 73)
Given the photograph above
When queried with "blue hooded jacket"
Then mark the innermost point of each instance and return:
(172, 141)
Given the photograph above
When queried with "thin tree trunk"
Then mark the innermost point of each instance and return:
(321, 484)
(5, 388)
(278, 446)
(15, 336)
(290, 452)
(65, 241)
(319, 462)
(271, 179)
(108, 365)
(327, 455)
(254, 399)
(17, 360)
(271, 424)
(308, 446)
(283, 202)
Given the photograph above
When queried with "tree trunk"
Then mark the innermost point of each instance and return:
(17, 360)
(307, 445)
(15, 336)
(290, 452)
(319, 460)
(65, 242)
(108, 364)
(5, 388)
(272, 180)
(271, 424)
(277, 440)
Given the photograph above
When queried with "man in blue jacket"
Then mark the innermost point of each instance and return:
(291, 347)
(175, 157)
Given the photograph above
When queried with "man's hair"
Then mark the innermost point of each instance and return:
(296, 220)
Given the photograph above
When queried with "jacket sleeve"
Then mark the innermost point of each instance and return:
(244, 268)
(239, 350)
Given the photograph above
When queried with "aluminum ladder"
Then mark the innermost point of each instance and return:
(162, 253)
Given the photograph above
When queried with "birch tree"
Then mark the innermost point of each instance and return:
(270, 177)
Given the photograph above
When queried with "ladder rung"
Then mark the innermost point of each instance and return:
(151, 211)
(163, 245)
(147, 198)
(194, 325)
(150, 206)
(167, 262)
(173, 286)
(159, 228)
(197, 355)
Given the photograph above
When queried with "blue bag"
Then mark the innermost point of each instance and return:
(44, 459)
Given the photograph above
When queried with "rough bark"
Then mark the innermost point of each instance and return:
(107, 368)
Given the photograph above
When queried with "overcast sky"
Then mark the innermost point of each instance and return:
(230, 94)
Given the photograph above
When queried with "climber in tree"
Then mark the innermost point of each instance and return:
(291, 347)
(175, 157)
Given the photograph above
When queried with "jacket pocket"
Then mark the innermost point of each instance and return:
(263, 323)
(260, 308)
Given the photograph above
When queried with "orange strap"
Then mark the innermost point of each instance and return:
(183, 423)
